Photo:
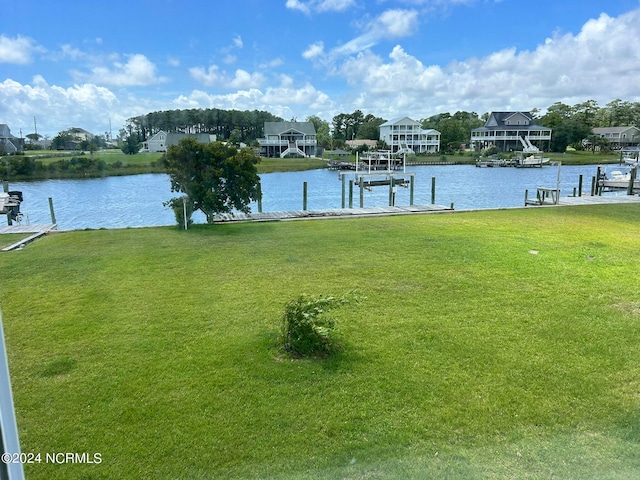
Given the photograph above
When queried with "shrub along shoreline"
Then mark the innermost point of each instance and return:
(497, 344)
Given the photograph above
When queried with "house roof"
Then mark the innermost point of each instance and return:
(79, 130)
(500, 119)
(601, 130)
(278, 128)
(174, 138)
(400, 120)
(5, 131)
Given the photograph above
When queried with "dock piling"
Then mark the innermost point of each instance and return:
(433, 190)
(53, 215)
(411, 188)
(304, 196)
(579, 186)
(632, 181)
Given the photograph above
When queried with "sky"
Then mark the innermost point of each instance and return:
(94, 65)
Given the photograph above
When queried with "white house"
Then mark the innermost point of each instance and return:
(404, 135)
(161, 140)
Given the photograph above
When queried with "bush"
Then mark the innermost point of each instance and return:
(306, 329)
(177, 205)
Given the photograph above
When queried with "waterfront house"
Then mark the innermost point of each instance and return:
(404, 135)
(8, 142)
(80, 134)
(511, 131)
(161, 140)
(619, 137)
(288, 139)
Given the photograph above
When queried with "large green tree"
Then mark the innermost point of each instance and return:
(215, 177)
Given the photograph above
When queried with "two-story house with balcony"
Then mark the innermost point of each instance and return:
(288, 139)
(404, 135)
(511, 131)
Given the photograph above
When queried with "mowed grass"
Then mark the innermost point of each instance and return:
(490, 345)
(266, 165)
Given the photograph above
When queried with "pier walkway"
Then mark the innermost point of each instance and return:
(36, 231)
(330, 213)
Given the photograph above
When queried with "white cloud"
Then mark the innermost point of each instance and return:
(244, 79)
(18, 50)
(397, 23)
(214, 77)
(276, 62)
(208, 77)
(57, 108)
(390, 24)
(281, 100)
(314, 50)
(137, 71)
(319, 6)
(596, 63)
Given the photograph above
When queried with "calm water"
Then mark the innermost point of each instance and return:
(136, 200)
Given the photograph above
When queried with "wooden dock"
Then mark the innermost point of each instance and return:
(36, 231)
(587, 200)
(330, 213)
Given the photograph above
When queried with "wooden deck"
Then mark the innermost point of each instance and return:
(36, 231)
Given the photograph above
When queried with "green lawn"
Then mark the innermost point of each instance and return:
(496, 344)
(11, 238)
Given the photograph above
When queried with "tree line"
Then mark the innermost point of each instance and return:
(571, 125)
(234, 126)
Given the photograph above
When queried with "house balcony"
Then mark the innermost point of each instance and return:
(265, 142)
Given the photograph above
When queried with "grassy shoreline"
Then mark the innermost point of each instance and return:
(495, 344)
(116, 163)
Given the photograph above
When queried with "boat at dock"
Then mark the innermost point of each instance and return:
(617, 180)
(10, 205)
(381, 160)
(494, 162)
(531, 160)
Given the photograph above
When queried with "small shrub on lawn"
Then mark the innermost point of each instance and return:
(307, 330)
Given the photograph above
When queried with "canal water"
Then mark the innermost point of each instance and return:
(137, 200)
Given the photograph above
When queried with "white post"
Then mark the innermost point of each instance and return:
(184, 209)
(8, 427)
(558, 184)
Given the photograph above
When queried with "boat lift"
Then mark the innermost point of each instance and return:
(380, 170)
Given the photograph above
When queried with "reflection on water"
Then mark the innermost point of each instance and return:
(136, 200)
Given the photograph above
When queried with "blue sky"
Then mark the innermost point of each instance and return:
(82, 64)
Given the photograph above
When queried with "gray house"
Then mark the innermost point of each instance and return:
(511, 131)
(288, 139)
(161, 140)
(619, 137)
(8, 142)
